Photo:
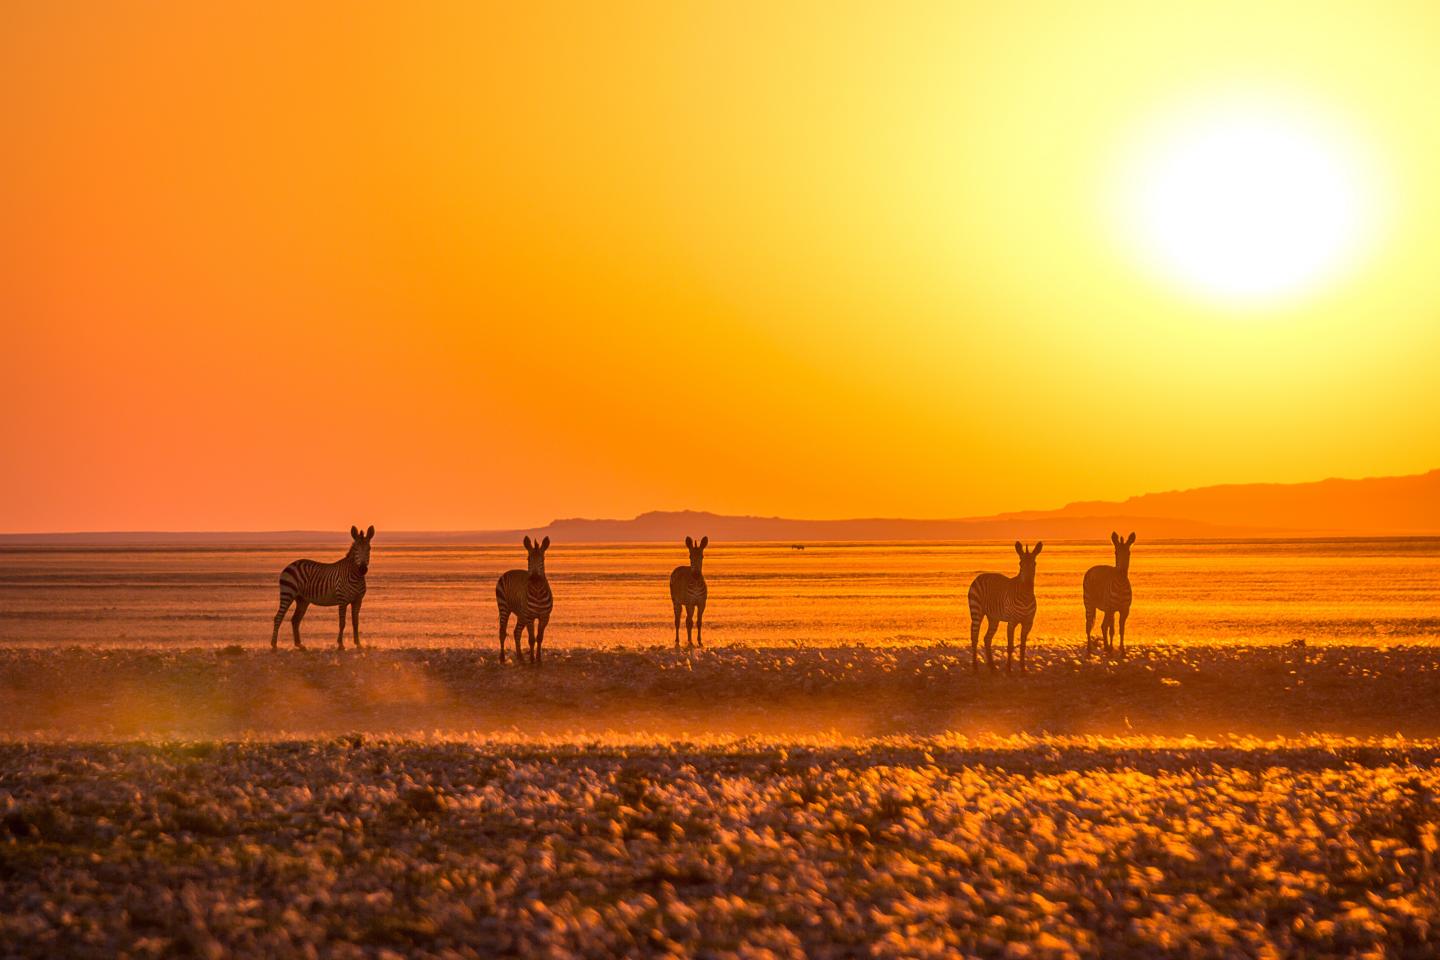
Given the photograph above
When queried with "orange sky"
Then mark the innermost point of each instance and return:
(264, 267)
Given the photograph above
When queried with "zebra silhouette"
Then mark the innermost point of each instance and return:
(996, 597)
(1108, 589)
(340, 583)
(687, 589)
(526, 593)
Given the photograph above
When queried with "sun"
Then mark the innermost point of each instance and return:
(1247, 202)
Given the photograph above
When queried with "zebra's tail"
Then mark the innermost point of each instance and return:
(287, 597)
(504, 607)
(977, 605)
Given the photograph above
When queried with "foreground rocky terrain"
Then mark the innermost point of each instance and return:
(905, 848)
(865, 801)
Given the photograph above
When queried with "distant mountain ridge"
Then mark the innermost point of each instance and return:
(1372, 507)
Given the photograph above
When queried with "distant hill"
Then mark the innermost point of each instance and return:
(1373, 507)
(1377, 506)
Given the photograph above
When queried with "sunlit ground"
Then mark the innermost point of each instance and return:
(829, 777)
(904, 848)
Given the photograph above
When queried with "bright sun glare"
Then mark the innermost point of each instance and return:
(1247, 203)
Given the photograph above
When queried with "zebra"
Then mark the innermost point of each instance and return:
(687, 589)
(1108, 589)
(526, 593)
(1011, 599)
(340, 583)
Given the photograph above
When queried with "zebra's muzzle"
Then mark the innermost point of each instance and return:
(363, 568)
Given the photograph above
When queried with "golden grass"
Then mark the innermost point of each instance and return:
(910, 847)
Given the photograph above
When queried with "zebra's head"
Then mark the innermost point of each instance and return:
(536, 555)
(1122, 550)
(697, 552)
(1027, 560)
(360, 547)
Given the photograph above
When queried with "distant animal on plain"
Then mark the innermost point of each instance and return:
(341, 583)
(797, 546)
(526, 593)
(996, 597)
(687, 589)
(1107, 589)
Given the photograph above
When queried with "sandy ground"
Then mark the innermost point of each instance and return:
(858, 692)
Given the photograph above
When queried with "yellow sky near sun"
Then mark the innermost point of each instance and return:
(471, 266)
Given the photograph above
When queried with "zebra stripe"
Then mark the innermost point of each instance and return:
(341, 584)
(1011, 600)
(687, 589)
(1107, 589)
(526, 593)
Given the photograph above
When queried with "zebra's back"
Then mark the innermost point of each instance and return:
(998, 597)
(528, 597)
(323, 584)
(1106, 588)
(687, 587)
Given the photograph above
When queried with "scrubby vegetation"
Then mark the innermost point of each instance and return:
(857, 691)
(904, 847)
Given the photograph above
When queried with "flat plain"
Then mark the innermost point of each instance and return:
(828, 777)
(766, 595)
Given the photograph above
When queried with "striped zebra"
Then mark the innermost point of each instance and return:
(996, 597)
(341, 583)
(687, 589)
(526, 593)
(1108, 589)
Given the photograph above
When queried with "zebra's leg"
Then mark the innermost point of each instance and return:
(540, 640)
(1089, 625)
(301, 605)
(355, 623)
(340, 640)
(530, 639)
(504, 618)
(989, 636)
(699, 616)
(1024, 638)
(1124, 613)
(974, 642)
(285, 601)
(689, 626)
(677, 626)
(1107, 630)
(519, 629)
(1009, 642)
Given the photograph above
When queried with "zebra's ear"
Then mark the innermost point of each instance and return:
(354, 533)
(370, 534)
(1019, 548)
(689, 544)
(1039, 545)
(1115, 538)
(527, 543)
(1130, 539)
(704, 542)
(545, 544)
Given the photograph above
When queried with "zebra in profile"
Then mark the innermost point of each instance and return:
(526, 593)
(340, 583)
(687, 589)
(997, 597)
(1108, 589)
